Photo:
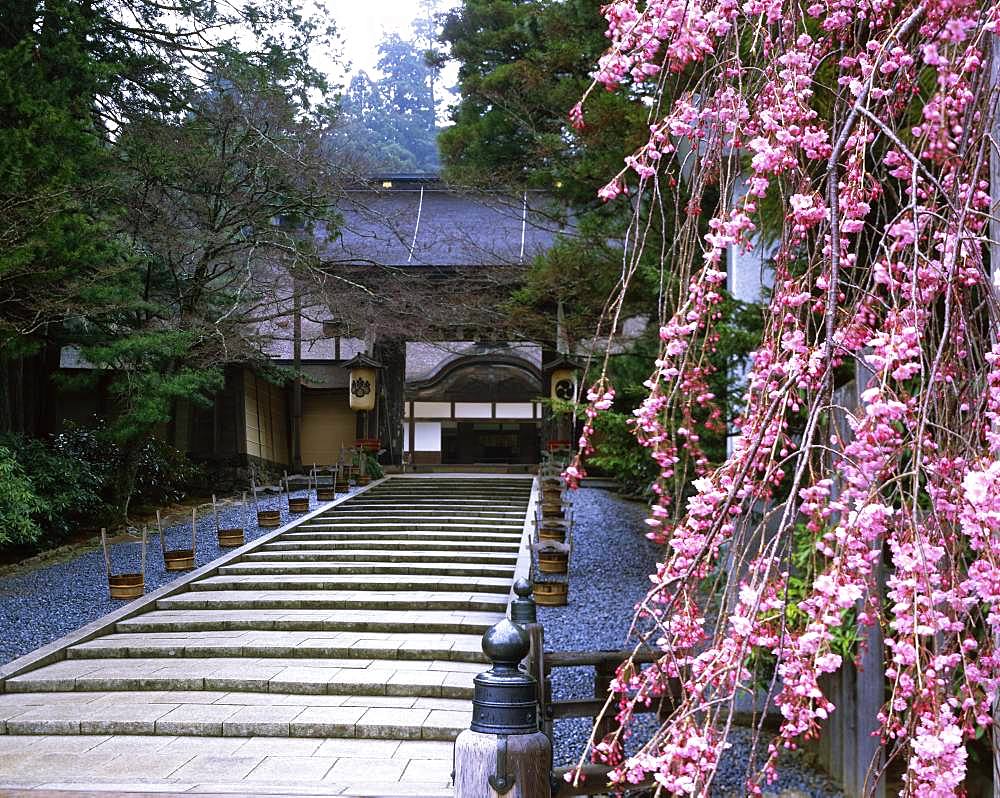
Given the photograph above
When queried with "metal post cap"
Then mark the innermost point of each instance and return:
(522, 608)
(505, 697)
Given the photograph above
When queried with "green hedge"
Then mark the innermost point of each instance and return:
(53, 487)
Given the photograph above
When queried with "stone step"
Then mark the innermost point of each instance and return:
(388, 544)
(430, 494)
(251, 714)
(335, 599)
(320, 565)
(305, 676)
(387, 555)
(105, 765)
(418, 534)
(450, 524)
(340, 582)
(289, 645)
(486, 499)
(377, 621)
(379, 504)
(420, 520)
(444, 488)
(408, 511)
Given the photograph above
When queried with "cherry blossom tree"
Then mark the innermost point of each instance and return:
(859, 135)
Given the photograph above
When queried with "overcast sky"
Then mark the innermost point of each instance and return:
(362, 24)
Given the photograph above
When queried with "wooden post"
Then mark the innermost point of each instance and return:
(215, 514)
(528, 758)
(604, 672)
(296, 414)
(104, 545)
(159, 532)
(503, 754)
(142, 556)
(194, 528)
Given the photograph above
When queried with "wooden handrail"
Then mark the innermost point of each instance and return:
(568, 659)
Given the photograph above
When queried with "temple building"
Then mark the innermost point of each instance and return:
(416, 275)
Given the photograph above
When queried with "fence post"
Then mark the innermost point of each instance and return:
(503, 753)
(524, 613)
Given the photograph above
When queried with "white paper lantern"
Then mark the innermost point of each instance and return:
(564, 384)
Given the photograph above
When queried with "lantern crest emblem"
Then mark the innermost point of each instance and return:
(565, 389)
(564, 375)
(361, 387)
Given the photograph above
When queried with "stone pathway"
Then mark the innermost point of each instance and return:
(334, 659)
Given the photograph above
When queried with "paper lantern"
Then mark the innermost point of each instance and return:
(564, 384)
(362, 382)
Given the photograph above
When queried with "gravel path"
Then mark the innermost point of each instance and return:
(47, 602)
(609, 573)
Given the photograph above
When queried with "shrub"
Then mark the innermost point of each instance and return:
(68, 487)
(19, 505)
(164, 474)
(50, 488)
(618, 455)
(373, 467)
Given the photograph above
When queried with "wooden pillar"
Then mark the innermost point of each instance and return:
(528, 759)
(604, 672)
(391, 353)
(295, 437)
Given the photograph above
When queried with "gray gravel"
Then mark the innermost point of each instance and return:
(42, 604)
(608, 574)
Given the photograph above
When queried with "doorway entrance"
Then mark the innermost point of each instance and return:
(471, 442)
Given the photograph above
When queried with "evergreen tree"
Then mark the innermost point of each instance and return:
(523, 64)
(389, 122)
(140, 189)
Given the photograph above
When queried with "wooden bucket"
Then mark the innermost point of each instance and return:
(553, 562)
(553, 513)
(298, 504)
(325, 494)
(269, 518)
(228, 538)
(179, 559)
(551, 594)
(126, 586)
(363, 479)
(548, 530)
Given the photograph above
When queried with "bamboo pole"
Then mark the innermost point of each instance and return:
(194, 529)
(159, 531)
(107, 555)
(142, 558)
(215, 514)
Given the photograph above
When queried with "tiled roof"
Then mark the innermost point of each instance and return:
(427, 224)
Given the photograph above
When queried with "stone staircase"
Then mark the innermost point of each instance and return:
(334, 658)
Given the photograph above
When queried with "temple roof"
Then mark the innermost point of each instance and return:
(416, 220)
